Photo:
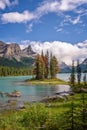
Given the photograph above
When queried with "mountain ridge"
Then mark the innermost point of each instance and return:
(13, 50)
(12, 55)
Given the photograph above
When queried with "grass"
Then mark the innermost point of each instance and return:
(46, 81)
(48, 115)
(37, 116)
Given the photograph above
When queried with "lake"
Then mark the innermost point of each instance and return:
(29, 93)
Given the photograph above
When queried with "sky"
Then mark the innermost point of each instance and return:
(59, 25)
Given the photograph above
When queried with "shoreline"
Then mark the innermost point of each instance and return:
(46, 82)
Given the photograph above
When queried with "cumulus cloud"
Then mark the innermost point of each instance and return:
(65, 52)
(4, 3)
(82, 44)
(15, 17)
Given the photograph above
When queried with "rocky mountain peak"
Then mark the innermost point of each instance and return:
(12, 50)
(85, 61)
(2, 43)
(3, 47)
(28, 51)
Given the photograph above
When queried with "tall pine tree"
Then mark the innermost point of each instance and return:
(72, 76)
(47, 65)
(53, 67)
(39, 67)
(78, 74)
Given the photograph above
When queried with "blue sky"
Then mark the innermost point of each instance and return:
(43, 20)
(57, 25)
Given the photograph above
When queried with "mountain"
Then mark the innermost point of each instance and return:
(64, 68)
(3, 47)
(12, 55)
(85, 61)
(28, 51)
(10, 51)
(83, 65)
(13, 50)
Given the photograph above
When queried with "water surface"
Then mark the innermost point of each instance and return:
(29, 92)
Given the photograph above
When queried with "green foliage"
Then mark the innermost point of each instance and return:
(40, 67)
(46, 67)
(85, 79)
(10, 71)
(72, 76)
(24, 62)
(36, 117)
(10, 63)
(53, 67)
(58, 115)
(46, 81)
(14, 68)
(27, 61)
(83, 113)
(78, 73)
(79, 85)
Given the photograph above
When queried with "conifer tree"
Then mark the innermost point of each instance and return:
(83, 113)
(85, 79)
(72, 76)
(39, 67)
(78, 73)
(70, 119)
(53, 67)
(47, 65)
(42, 66)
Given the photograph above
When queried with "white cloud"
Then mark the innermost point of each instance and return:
(4, 3)
(24, 44)
(73, 21)
(45, 7)
(76, 20)
(64, 51)
(29, 27)
(58, 6)
(67, 5)
(82, 44)
(59, 29)
(15, 17)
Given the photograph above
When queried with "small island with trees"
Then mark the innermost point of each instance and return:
(46, 68)
(68, 112)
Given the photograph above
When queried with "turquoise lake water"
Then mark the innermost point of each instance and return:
(29, 92)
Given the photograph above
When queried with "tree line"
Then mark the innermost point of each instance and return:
(11, 71)
(79, 75)
(46, 66)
